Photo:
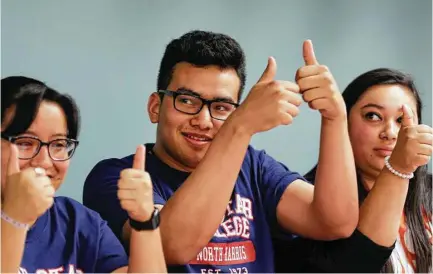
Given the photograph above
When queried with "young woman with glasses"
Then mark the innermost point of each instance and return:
(45, 234)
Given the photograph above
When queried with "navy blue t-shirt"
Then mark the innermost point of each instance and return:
(242, 243)
(70, 238)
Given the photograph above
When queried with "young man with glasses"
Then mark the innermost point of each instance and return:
(223, 201)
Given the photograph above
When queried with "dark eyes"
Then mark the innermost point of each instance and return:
(373, 116)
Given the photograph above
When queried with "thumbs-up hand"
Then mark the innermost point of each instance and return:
(414, 144)
(270, 102)
(135, 188)
(28, 193)
(318, 87)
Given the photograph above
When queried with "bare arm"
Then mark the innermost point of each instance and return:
(381, 211)
(193, 214)
(329, 210)
(145, 253)
(12, 241)
(335, 201)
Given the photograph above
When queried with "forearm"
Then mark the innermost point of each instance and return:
(192, 215)
(335, 194)
(381, 212)
(12, 241)
(145, 252)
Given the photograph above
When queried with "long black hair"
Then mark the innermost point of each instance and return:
(26, 94)
(419, 196)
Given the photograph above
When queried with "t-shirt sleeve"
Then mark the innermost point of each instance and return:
(111, 255)
(157, 194)
(275, 177)
(100, 193)
(357, 254)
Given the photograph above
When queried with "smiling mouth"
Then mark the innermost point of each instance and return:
(197, 138)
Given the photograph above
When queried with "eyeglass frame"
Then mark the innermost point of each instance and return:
(12, 139)
(206, 102)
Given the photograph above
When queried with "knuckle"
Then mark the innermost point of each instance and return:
(299, 73)
(274, 85)
(294, 111)
(146, 176)
(306, 96)
(296, 88)
(323, 68)
(311, 105)
(281, 104)
(124, 204)
(333, 95)
(301, 83)
(423, 128)
(327, 79)
(408, 131)
(122, 183)
(147, 184)
(297, 102)
(125, 173)
(411, 136)
(421, 160)
(286, 119)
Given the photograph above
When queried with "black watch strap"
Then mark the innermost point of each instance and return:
(150, 224)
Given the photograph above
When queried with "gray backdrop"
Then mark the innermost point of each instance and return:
(106, 53)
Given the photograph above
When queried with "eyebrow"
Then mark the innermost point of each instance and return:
(54, 135)
(217, 98)
(373, 105)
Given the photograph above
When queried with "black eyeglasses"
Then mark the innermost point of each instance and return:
(192, 104)
(28, 147)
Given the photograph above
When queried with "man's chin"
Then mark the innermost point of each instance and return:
(193, 162)
(193, 159)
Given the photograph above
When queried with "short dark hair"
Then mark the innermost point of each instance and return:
(202, 48)
(26, 94)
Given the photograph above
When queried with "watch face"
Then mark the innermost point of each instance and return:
(155, 218)
(150, 224)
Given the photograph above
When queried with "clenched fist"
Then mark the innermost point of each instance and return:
(28, 193)
(318, 87)
(414, 144)
(270, 102)
(135, 189)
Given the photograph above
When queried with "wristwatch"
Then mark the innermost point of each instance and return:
(150, 224)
